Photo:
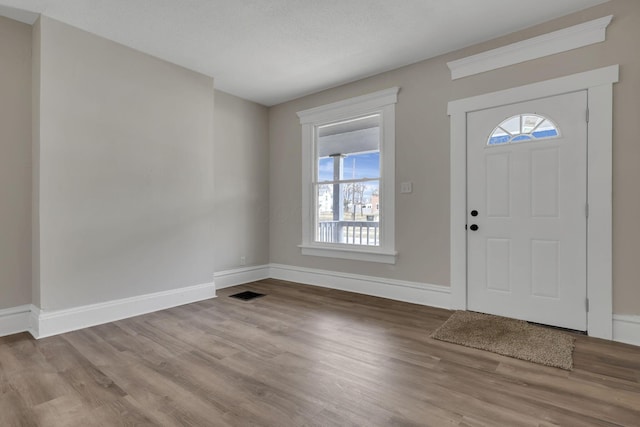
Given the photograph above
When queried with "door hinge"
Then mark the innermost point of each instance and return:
(587, 115)
(586, 304)
(586, 210)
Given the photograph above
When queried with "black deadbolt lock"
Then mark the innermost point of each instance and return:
(474, 213)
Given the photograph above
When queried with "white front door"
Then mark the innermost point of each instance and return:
(527, 210)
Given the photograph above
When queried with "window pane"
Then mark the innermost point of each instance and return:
(550, 133)
(354, 139)
(363, 165)
(324, 202)
(499, 139)
(529, 122)
(351, 219)
(546, 130)
(325, 169)
(521, 138)
(359, 200)
(353, 166)
(512, 125)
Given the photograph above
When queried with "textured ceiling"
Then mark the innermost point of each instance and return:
(270, 51)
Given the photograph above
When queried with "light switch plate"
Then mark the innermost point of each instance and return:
(406, 187)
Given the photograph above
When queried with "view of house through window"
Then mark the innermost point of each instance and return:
(347, 181)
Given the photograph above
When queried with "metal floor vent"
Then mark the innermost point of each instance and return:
(246, 295)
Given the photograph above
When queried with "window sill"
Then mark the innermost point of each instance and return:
(356, 254)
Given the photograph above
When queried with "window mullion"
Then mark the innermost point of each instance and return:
(347, 181)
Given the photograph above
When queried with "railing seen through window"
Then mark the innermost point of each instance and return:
(347, 184)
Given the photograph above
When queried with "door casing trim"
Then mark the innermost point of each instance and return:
(599, 86)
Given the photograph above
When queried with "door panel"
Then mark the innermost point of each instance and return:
(497, 187)
(545, 182)
(499, 264)
(527, 259)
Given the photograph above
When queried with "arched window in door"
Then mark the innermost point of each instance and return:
(523, 128)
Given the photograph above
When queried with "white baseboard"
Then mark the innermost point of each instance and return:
(626, 329)
(48, 323)
(41, 323)
(240, 276)
(414, 292)
(14, 320)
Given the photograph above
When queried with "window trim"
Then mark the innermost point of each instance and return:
(382, 102)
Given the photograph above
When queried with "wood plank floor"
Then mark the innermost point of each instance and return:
(302, 356)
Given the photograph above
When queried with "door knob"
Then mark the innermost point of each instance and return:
(473, 227)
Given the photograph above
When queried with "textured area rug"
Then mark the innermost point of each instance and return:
(509, 337)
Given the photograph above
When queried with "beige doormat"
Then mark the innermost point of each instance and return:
(509, 337)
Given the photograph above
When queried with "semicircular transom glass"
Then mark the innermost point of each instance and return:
(523, 128)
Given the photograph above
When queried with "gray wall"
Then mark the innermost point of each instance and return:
(123, 190)
(35, 158)
(422, 151)
(15, 163)
(241, 182)
(125, 171)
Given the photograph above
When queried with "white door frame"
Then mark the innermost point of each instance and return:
(599, 86)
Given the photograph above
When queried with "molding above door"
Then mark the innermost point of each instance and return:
(599, 84)
(580, 35)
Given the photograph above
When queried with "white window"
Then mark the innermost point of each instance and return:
(348, 168)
